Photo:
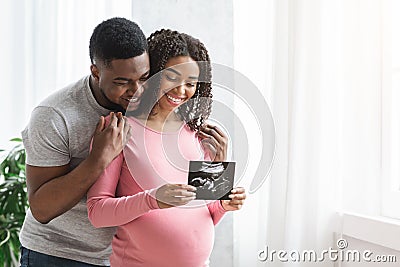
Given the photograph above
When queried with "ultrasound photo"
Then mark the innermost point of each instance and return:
(213, 180)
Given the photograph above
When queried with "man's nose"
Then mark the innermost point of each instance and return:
(139, 91)
(135, 87)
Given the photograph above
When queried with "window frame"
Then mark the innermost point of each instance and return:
(390, 117)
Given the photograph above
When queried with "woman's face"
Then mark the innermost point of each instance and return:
(178, 82)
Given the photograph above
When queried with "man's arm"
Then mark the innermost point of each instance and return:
(55, 190)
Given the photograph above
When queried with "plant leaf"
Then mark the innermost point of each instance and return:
(13, 203)
(7, 237)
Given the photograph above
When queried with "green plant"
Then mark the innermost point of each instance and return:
(13, 203)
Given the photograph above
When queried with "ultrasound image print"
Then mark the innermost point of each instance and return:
(213, 180)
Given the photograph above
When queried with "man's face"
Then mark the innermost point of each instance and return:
(121, 83)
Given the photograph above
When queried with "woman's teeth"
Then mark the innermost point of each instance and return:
(173, 99)
(133, 99)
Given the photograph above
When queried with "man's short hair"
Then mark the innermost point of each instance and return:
(116, 38)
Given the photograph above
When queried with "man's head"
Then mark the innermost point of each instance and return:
(120, 63)
(116, 38)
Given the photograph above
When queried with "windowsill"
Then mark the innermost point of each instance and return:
(379, 230)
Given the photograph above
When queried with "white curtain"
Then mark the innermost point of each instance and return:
(44, 47)
(318, 62)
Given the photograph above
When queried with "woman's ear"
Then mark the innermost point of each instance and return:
(95, 72)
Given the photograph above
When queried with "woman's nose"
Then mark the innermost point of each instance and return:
(180, 89)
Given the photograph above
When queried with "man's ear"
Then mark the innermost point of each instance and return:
(95, 72)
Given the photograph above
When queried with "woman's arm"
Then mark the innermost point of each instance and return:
(216, 211)
(105, 210)
(218, 208)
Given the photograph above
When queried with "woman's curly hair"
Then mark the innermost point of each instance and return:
(166, 44)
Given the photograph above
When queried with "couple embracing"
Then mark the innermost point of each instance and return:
(99, 180)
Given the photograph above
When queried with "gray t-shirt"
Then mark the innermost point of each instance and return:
(59, 132)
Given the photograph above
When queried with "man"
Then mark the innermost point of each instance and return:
(60, 169)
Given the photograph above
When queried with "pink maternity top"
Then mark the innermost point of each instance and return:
(124, 196)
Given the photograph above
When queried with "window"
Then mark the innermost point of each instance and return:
(391, 109)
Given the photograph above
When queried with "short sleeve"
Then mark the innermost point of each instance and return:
(46, 138)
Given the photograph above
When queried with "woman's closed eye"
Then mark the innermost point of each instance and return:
(172, 78)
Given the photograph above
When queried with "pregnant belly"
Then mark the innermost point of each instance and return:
(171, 237)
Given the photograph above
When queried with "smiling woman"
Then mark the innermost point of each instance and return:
(178, 82)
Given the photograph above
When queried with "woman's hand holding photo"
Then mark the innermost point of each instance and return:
(172, 195)
(238, 197)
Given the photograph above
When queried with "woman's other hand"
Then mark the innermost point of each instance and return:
(237, 198)
(172, 195)
(214, 141)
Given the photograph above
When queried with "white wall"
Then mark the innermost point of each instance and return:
(210, 21)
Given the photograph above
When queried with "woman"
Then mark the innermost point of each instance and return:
(144, 191)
